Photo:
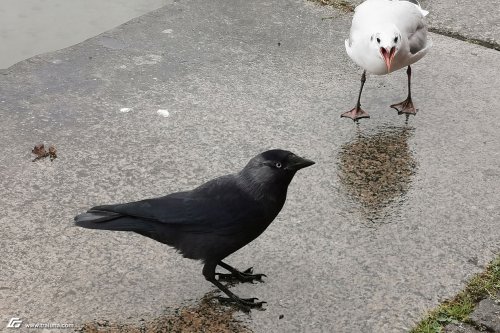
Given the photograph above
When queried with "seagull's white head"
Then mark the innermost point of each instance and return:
(386, 43)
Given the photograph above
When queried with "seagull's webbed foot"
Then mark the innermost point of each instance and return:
(405, 107)
(244, 304)
(235, 275)
(355, 114)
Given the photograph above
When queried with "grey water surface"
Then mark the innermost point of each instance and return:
(31, 27)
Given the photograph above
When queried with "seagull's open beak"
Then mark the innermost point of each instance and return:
(388, 55)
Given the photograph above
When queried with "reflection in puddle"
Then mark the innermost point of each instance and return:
(207, 315)
(376, 169)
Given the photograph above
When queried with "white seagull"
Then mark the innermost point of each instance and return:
(387, 35)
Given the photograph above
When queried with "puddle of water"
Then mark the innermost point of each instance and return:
(376, 170)
(31, 27)
(206, 315)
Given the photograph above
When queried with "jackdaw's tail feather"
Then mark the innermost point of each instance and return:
(98, 219)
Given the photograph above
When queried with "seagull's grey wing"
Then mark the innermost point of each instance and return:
(413, 1)
(418, 40)
(409, 18)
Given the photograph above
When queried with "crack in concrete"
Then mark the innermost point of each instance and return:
(456, 35)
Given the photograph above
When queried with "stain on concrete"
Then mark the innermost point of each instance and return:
(376, 169)
(149, 59)
(206, 315)
(111, 43)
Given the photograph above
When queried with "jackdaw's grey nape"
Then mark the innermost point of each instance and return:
(212, 221)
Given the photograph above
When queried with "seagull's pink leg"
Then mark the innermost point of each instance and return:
(357, 113)
(406, 106)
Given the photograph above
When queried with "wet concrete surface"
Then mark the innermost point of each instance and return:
(237, 79)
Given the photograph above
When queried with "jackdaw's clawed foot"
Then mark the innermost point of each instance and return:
(245, 304)
(245, 276)
(405, 107)
(355, 114)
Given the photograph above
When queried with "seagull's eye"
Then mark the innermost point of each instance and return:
(378, 40)
(278, 165)
(395, 39)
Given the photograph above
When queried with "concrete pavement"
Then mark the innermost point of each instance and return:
(238, 78)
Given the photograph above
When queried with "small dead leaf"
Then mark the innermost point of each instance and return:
(52, 153)
(40, 152)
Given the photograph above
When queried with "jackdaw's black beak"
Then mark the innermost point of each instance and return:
(296, 163)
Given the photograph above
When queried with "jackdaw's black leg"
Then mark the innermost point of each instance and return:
(245, 304)
(357, 113)
(236, 275)
(406, 107)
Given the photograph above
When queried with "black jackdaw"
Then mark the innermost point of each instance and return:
(212, 221)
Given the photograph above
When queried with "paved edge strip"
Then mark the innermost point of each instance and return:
(345, 6)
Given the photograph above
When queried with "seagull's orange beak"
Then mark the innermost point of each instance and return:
(388, 55)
